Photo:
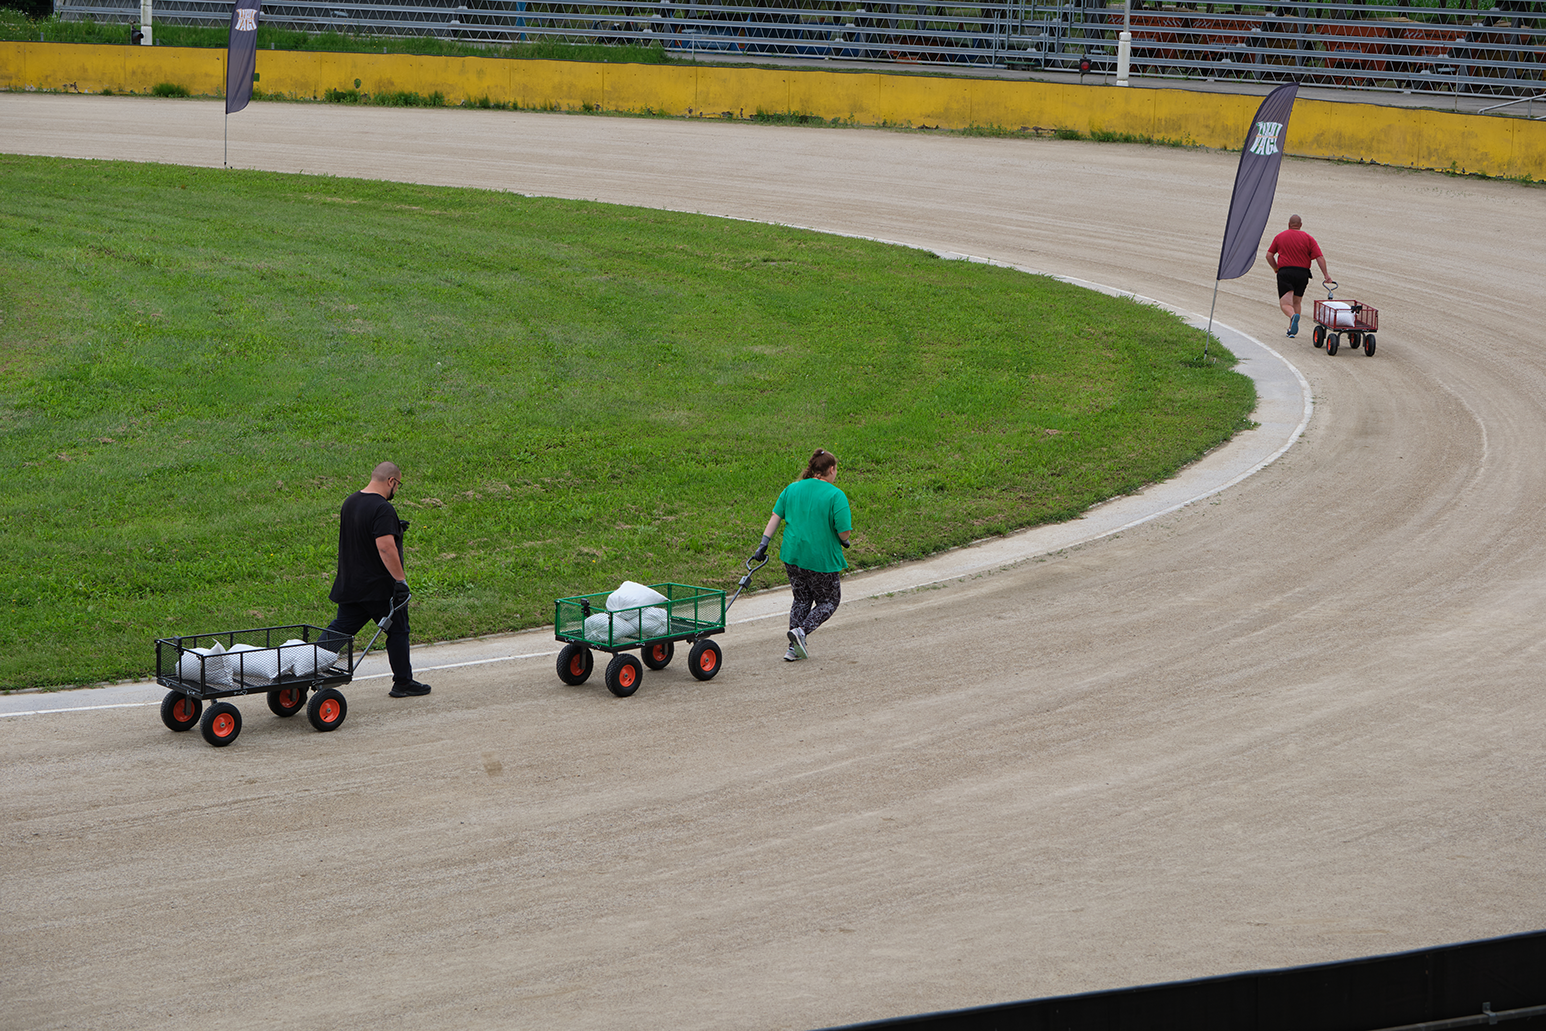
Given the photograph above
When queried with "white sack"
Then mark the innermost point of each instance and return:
(625, 625)
(631, 595)
(1338, 314)
(216, 672)
(254, 663)
(300, 659)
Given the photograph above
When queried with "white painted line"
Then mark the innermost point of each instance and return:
(469, 662)
(78, 708)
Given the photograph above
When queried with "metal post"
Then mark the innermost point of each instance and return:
(1207, 334)
(1125, 43)
(145, 12)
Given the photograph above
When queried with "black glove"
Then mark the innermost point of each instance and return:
(762, 549)
(400, 594)
(842, 542)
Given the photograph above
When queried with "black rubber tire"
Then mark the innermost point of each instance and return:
(287, 701)
(658, 654)
(1319, 336)
(623, 674)
(1333, 341)
(221, 724)
(327, 709)
(180, 712)
(705, 659)
(1368, 344)
(1354, 341)
(575, 661)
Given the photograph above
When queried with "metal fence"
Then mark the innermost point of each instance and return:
(1439, 46)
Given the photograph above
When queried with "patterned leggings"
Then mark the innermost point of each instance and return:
(816, 597)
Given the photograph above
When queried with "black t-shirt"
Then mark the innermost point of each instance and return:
(362, 576)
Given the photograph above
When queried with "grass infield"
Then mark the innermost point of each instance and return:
(198, 365)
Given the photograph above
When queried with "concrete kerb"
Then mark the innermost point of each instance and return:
(1283, 410)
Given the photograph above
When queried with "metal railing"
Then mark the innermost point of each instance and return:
(1440, 46)
(1529, 103)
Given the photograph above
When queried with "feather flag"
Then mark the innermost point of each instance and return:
(1256, 182)
(241, 55)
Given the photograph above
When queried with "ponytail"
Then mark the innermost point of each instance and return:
(820, 462)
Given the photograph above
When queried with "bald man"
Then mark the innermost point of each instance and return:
(370, 578)
(1290, 255)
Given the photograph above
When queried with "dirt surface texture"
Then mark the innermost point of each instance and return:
(1298, 720)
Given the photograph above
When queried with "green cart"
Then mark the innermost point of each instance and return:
(688, 614)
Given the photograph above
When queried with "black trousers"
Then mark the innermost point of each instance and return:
(816, 597)
(352, 615)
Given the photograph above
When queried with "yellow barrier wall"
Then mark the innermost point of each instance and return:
(1357, 132)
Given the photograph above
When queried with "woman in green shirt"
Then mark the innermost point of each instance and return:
(818, 523)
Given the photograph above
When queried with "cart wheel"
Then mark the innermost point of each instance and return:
(287, 701)
(179, 712)
(1354, 341)
(704, 659)
(327, 709)
(623, 675)
(659, 654)
(1333, 340)
(1319, 336)
(1368, 344)
(221, 724)
(574, 664)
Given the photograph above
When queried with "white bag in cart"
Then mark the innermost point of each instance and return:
(1338, 314)
(625, 626)
(211, 668)
(300, 659)
(252, 663)
(631, 596)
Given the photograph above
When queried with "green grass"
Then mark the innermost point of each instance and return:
(198, 365)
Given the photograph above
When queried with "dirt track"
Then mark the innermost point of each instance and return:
(1299, 722)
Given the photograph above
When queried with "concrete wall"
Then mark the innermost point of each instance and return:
(1391, 136)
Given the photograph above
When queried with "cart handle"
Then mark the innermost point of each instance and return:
(381, 627)
(750, 569)
(1331, 287)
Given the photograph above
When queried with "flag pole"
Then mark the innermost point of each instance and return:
(1208, 334)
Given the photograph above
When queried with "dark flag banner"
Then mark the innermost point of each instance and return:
(241, 56)
(1255, 182)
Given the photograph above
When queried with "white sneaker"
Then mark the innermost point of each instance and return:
(797, 643)
(791, 655)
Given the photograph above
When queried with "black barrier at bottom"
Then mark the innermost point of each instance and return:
(1495, 981)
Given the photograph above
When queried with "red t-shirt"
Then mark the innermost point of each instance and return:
(1295, 248)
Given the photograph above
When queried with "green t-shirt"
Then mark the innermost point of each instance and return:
(814, 513)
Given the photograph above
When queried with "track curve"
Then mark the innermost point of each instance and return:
(1298, 722)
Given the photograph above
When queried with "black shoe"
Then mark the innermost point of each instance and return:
(412, 689)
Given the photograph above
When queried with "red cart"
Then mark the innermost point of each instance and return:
(1355, 318)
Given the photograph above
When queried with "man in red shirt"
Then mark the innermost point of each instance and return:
(1290, 255)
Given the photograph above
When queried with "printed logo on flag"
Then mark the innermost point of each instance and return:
(246, 19)
(1265, 142)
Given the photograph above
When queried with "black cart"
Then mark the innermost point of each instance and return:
(285, 663)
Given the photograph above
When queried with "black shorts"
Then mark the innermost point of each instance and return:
(1293, 280)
